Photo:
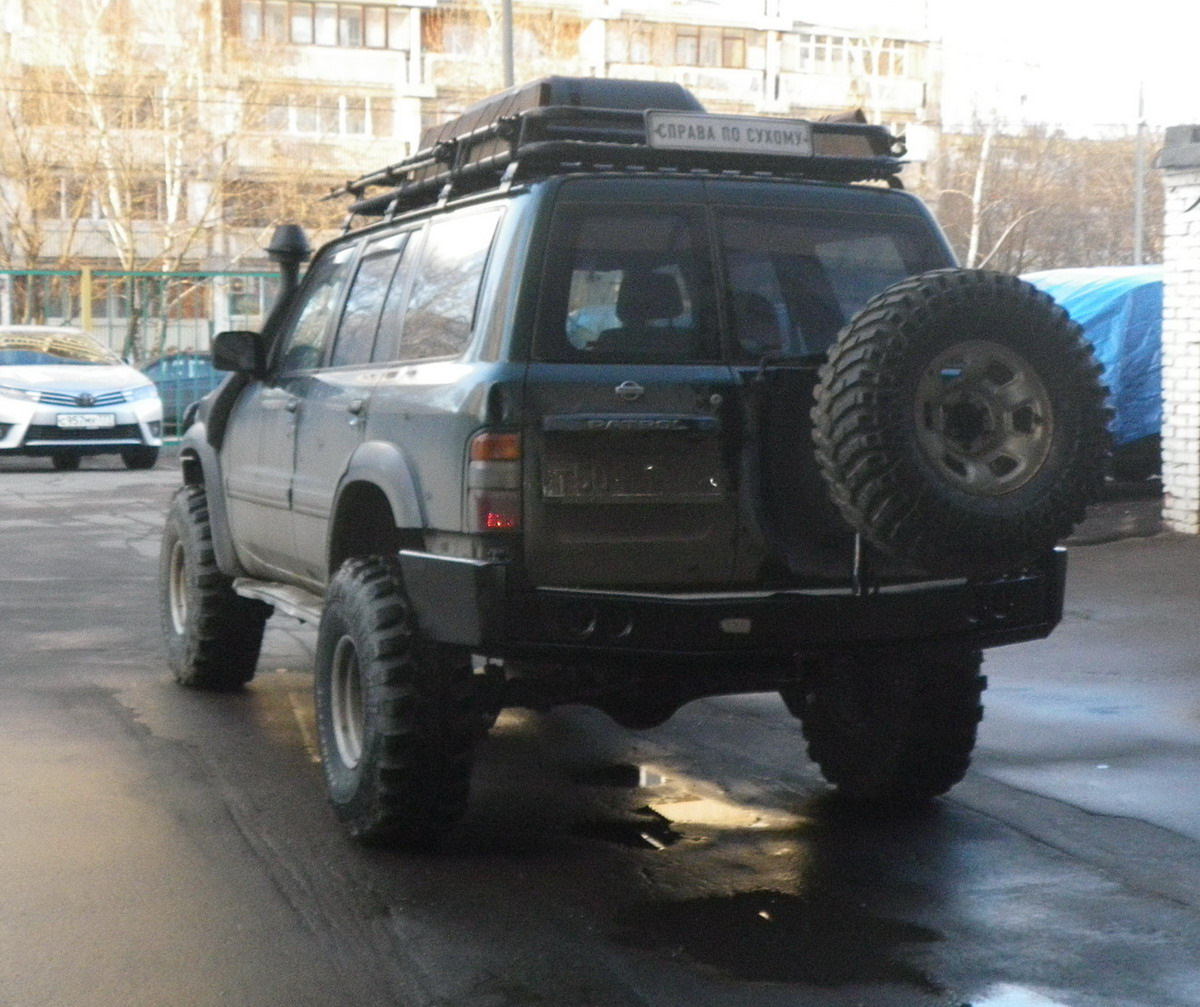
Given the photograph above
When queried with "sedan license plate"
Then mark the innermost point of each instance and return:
(86, 421)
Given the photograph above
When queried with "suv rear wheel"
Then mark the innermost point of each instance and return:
(895, 731)
(397, 717)
(213, 636)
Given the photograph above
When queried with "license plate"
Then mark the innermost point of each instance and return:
(679, 476)
(86, 421)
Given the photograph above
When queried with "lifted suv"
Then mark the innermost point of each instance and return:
(615, 402)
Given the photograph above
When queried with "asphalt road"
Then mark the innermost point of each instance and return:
(159, 846)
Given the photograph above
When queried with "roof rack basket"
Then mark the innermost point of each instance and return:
(557, 123)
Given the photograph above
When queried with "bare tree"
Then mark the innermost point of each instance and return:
(126, 145)
(1033, 199)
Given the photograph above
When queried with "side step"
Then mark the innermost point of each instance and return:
(293, 601)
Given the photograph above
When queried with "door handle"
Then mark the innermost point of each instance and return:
(292, 404)
(355, 406)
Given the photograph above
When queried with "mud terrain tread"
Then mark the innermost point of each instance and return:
(912, 730)
(413, 780)
(220, 645)
(864, 426)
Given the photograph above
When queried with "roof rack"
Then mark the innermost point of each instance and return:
(560, 123)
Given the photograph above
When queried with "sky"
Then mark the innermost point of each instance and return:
(1045, 61)
(1059, 62)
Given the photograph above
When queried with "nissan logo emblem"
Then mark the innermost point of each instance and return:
(630, 391)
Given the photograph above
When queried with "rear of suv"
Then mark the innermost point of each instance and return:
(611, 401)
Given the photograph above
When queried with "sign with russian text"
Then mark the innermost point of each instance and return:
(735, 134)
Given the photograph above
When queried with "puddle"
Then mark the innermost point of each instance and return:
(647, 830)
(673, 805)
(624, 776)
(770, 936)
(688, 810)
(1015, 996)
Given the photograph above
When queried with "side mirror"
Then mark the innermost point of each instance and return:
(239, 351)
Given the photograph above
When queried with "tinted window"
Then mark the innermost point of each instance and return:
(440, 311)
(796, 278)
(364, 302)
(304, 338)
(627, 284)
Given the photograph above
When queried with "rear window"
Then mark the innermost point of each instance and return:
(794, 278)
(628, 284)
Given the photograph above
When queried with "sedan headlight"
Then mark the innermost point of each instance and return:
(142, 392)
(26, 394)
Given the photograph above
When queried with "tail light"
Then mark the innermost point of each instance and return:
(494, 482)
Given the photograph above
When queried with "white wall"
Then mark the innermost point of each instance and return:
(1181, 331)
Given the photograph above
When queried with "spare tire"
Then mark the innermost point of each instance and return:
(960, 422)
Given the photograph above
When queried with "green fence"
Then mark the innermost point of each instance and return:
(140, 315)
(161, 321)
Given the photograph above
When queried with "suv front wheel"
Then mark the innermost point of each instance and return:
(397, 718)
(213, 636)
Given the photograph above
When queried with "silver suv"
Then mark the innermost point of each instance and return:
(612, 401)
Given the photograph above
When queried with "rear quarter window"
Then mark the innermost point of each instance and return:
(438, 308)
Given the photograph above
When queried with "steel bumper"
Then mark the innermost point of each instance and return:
(473, 603)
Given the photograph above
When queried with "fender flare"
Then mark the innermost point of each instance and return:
(385, 466)
(201, 464)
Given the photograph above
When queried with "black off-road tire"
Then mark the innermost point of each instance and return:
(213, 636)
(891, 733)
(397, 715)
(65, 461)
(140, 458)
(960, 422)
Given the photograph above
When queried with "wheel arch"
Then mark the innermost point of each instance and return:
(376, 504)
(200, 465)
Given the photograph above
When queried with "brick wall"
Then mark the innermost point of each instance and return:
(1180, 162)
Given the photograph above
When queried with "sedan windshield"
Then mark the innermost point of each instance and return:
(53, 346)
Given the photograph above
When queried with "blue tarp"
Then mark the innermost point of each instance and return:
(1120, 309)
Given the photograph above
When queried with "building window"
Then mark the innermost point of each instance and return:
(687, 47)
(301, 23)
(353, 26)
(713, 47)
(847, 55)
(275, 24)
(628, 43)
(322, 115)
(350, 26)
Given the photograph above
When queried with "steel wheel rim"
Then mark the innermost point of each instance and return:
(985, 422)
(347, 710)
(177, 589)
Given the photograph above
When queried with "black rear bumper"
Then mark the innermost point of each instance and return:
(474, 604)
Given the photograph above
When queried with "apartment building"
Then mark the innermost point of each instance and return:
(150, 134)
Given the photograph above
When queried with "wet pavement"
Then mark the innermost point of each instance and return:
(162, 846)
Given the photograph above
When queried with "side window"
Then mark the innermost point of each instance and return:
(304, 337)
(627, 284)
(364, 302)
(440, 312)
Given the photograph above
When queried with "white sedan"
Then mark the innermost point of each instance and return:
(63, 396)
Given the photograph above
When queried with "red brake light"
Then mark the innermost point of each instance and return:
(500, 521)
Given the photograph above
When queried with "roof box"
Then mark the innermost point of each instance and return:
(574, 92)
